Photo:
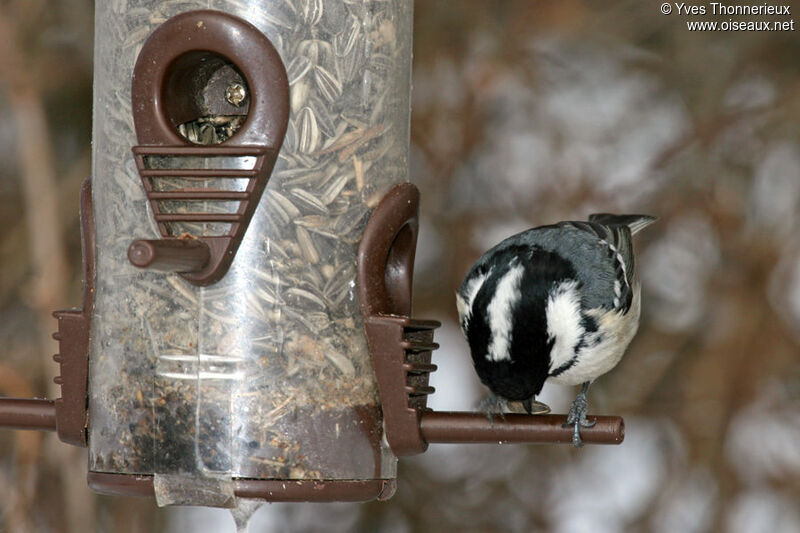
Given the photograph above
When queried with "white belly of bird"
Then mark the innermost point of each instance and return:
(595, 360)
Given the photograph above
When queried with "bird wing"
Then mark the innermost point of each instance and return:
(606, 263)
(618, 230)
(636, 223)
(615, 234)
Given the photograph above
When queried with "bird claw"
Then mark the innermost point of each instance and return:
(493, 406)
(576, 418)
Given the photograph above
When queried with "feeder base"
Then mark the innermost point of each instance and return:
(269, 490)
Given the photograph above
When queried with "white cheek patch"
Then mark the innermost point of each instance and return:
(500, 313)
(564, 328)
(464, 300)
(615, 332)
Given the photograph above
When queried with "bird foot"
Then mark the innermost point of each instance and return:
(493, 406)
(576, 418)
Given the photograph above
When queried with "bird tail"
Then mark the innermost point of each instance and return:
(636, 223)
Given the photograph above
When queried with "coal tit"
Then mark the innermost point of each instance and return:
(558, 303)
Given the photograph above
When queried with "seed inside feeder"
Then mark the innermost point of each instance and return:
(304, 404)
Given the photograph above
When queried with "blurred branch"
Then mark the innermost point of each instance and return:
(47, 287)
(709, 131)
(38, 178)
(14, 269)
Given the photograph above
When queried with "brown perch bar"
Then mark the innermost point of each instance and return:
(453, 427)
(169, 255)
(18, 413)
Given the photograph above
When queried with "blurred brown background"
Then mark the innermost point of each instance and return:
(524, 113)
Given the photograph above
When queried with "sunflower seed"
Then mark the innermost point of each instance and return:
(302, 318)
(345, 42)
(367, 136)
(322, 112)
(310, 222)
(329, 87)
(317, 51)
(358, 167)
(284, 203)
(308, 200)
(307, 296)
(313, 281)
(297, 68)
(306, 245)
(311, 11)
(299, 94)
(341, 362)
(334, 188)
(309, 135)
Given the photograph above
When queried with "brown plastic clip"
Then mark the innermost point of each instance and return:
(401, 348)
(172, 65)
(67, 414)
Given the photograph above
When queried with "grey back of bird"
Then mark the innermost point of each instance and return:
(601, 251)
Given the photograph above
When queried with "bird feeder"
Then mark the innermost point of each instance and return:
(248, 247)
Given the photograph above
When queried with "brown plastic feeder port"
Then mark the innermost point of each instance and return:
(175, 64)
(402, 347)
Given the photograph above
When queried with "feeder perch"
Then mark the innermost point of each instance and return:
(246, 328)
(401, 349)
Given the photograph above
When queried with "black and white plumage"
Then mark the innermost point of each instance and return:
(558, 303)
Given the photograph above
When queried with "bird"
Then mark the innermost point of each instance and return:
(557, 303)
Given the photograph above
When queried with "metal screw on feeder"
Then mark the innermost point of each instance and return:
(250, 314)
(235, 94)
